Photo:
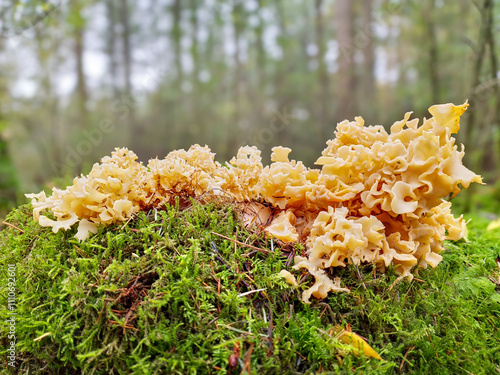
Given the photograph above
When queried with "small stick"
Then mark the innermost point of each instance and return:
(42, 336)
(236, 239)
(81, 251)
(323, 311)
(241, 243)
(399, 278)
(404, 358)
(13, 226)
(128, 221)
(102, 310)
(359, 276)
(250, 292)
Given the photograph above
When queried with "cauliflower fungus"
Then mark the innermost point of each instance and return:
(378, 197)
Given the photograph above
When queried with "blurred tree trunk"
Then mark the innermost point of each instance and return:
(81, 85)
(492, 120)
(257, 91)
(176, 36)
(283, 69)
(176, 109)
(324, 98)
(476, 74)
(429, 14)
(127, 55)
(127, 97)
(111, 46)
(8, 181)
(473, 135)
(51, 148)
(346, 86)
(369, 93)
(235, 128)
(194, 125)
(261, 53)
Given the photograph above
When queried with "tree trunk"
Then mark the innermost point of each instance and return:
(234, 128)
(478, 63)
(324, 98)
(283, 70)
(111, 46)
(429, 13)
(81, 85)
(177, 132)
(261, 53)
(369, 93)
(195, 126)
(346, 87)
(8, 181)
(470, 139)
(176, 36)
(492, 121)
(127, 98)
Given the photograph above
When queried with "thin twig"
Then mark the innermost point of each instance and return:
(13, 226)
(128, 221)
(404, 358)
(102, 310)
(42, 336)
(359, 277)
(250, 292)
(81, 251)
(398, 279)
(241, 243)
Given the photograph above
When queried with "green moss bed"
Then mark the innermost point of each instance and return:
(166, 293)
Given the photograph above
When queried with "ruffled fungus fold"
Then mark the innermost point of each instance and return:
(377, 197)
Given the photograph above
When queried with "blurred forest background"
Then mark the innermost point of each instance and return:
(80, 77)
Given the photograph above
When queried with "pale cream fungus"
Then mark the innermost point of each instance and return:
(378, 197)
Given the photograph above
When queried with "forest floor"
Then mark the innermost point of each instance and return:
(191, 290)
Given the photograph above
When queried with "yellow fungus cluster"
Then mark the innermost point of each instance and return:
(378, 197)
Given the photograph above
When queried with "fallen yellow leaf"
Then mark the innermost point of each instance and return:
(346, 336)
(493, 224)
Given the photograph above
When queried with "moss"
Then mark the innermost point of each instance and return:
(165, 293)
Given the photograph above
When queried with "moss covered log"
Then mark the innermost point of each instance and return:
(171, 291)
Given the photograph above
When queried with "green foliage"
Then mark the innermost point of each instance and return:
(8, 181)
(164, 294)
